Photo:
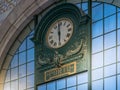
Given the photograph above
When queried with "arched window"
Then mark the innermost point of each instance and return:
(105, 62)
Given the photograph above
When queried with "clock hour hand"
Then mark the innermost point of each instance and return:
(59, 33)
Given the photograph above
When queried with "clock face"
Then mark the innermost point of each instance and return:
(59, 33)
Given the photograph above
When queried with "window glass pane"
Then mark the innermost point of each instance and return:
(97, 44)
(51, 86)
(95, 3)
(97, 85)
(97, 28)
(14, 85)
(7, 76)
(22, 71)
(118, 68)
(110, 56)
(72, 88)
(83, 87)
(118, 53)
(61, 84)
(99, 14)
(97, 74)
(118, 23)
(30, 44)
(109, 9)
(30, 54)
(14, 73)
(30, 80)
(82, 78)
(42, 87)
(30, 68)
(118, 37)
(23, 46)
(71, 81)
(14, 62)
(110, 70)
(110, 23)
(97, 60)
(78, 5)
(110, 40)
(118, 83)
(7, 86)
(31, 89)
(84, 6)
(118, 9)
(22, 58)
(22, 83)
(110, 83)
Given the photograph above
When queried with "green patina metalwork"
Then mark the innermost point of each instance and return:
(76, 50)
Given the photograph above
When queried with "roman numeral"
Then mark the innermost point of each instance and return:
(50, 37)
(55, 27)
(55, 44)
(51, 41)
(69, 29)
(68, 25)
(68, 35)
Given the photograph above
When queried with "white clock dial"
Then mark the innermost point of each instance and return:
(59, 33)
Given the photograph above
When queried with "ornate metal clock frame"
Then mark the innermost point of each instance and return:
(53, 63)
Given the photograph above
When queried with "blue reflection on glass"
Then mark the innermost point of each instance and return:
(22, 70)
(23, 46)
(51, 86)
(22, 58)
(30, 44)
(83, 87)
(110, 40)
(22, 83)
(30, 54)
(109, 9)
(42, 87)
(97, 74)
(30, 81)
(118, 68)
(71, 81)
(78, 5)
(97, 28)
(118, 83)
(118, 36)
(97, 60)
(118, 23)
(14, 62)
(72, 88)
(95, 3)
(110, 23)
(110, 83)
(97, 85)
(110, 70)
(110, 56)
(30, 68)
(14, 73)
(84, 6)
(82, 78)
(99, 14)
(61, 84)
(118, 53)
(97, 44)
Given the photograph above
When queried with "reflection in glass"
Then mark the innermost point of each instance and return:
(118, 83)
(110, 56)
(83, 87)
(118, 23)
(95, 3)
(30, 81)
(72, 88)
(82, 78)
(99, 14)
(42, 87)
(97, 28)
(110, 70)
(22, 58)
(14, 73)
(97, 44)
(23, 46)
(110, 40)
(22, 71)
(110, 23)
(22, 83)
(14, 85)
(30, 54)
(97, 60)
(30, 44)
(30, 68)
(109, 9)
(71, 81)
(7, 86)
(97, 74)
(51, 86)
(110, 83)
(97, 85)
(84, 6)
(118, 37)
(118, 68)
(118, 53)
(14, 62)
(61, 84)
